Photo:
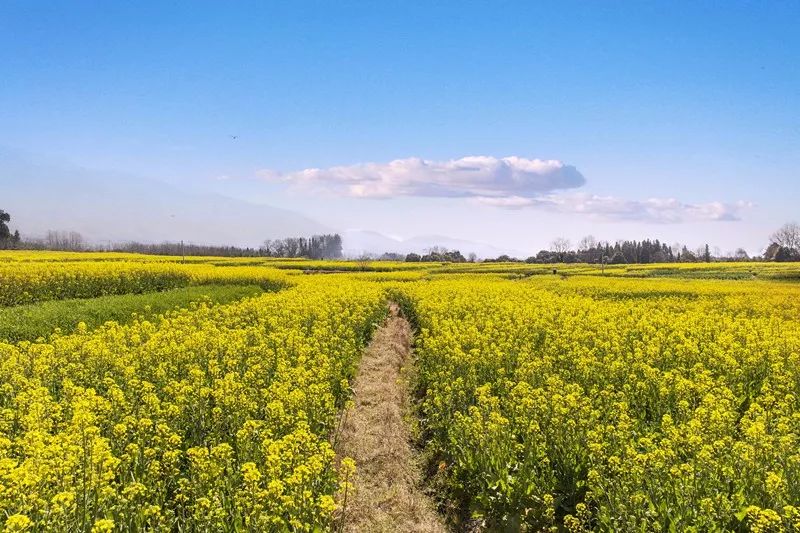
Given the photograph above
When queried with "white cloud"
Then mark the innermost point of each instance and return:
(474, 176)
(658, 210)
(509, 182)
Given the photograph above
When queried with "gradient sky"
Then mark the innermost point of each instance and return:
(697, 103)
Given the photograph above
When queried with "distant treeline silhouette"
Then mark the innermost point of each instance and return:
(437, 254)
(314, 247)
(177, 248)
(646, 251)
(621, 252)
(784, 245)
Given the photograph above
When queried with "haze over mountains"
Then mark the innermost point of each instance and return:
(359, 242)
(107, 207)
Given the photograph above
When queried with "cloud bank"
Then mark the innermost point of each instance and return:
(474, 176)
(508, 182)
(656, 210)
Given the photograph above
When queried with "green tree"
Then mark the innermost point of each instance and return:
(618, 259)
(785, 254)
(5, 233)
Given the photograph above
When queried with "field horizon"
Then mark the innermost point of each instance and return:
(272, 394)
(399, 267)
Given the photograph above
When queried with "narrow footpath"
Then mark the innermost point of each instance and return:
(388, 494)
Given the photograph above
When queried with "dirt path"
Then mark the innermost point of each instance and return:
(388, 494)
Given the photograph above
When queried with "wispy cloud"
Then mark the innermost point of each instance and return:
(658, 210)
(475, 176)
(508, 182)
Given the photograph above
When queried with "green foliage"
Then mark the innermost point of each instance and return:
(212, 418)
(612, 404)
(38, 282)
(609, 398)
(29, 322)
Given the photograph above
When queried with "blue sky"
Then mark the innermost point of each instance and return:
(696, 103)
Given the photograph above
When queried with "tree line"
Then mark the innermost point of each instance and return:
(438, 254)
(784, 245)
(181, 249)
(314, 247)
(621, 252)
(327, 246)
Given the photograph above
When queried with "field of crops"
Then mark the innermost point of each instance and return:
(213, 418)
(633, 398)
(615, 405)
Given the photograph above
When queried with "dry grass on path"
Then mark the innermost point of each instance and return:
(387, 493)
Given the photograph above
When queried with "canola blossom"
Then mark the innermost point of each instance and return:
(25, 282)
(613, 405)
(35, 282)
(560, 398)
(215, 418)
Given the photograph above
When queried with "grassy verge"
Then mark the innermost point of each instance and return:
(29, 322)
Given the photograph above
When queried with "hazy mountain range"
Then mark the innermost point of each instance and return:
(359, 242)
(106, 207)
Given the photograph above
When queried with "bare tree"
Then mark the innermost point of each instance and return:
(314, 247)
(363, 262)
(436, 249)
(788, 236)
(587, 243)
(74, 240)
(560, 245)
(64, 240)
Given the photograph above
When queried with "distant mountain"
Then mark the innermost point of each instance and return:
(114, 207)
(109, 206)
(360, 242)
